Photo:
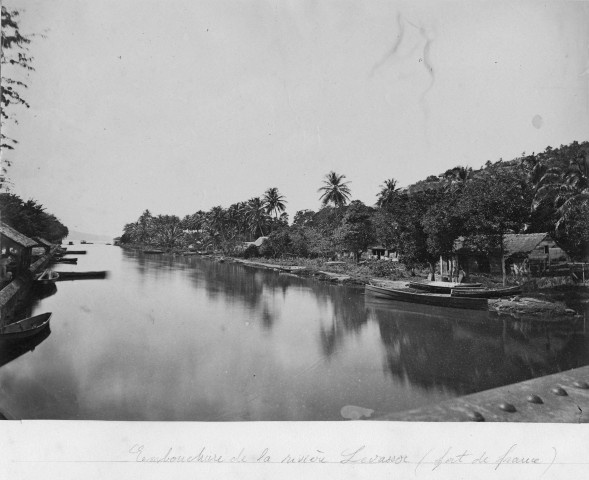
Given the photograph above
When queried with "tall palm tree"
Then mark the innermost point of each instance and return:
(273, 202)
(335, 190)
(255, 213)
(388, 193)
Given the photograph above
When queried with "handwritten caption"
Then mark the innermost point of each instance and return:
(361, 455)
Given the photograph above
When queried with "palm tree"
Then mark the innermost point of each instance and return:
(335, 190)
(566, 189)
(388, 193)
(273, 202)
(255, 213)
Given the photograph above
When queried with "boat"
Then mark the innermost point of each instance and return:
(154, 252)
(70, 243)
(25, 328)
(46, 277)
(81, 275)
(486, 292)
(442, 287)
(434, 299)
(75, 252)
(11, 349)
(65, 260)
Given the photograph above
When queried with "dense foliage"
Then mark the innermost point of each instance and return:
(545, 192)
(14, 53)
(30, 218)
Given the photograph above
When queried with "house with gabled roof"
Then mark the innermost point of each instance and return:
(524, 253)
(16, 249)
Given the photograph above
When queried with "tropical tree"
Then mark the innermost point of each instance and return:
(335, 190)
(14, 53)
(274, 203)
(566, 188)
(255, 213)
(356, 232)
(456, 179)
(388, 193)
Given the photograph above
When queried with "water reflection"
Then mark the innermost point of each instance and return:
(466, 351)
(12, 349)
(187, 338)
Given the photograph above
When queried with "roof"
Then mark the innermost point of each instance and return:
(257, 243)
(41, 240)
(522, 242)
(16, 236)
(513, 243)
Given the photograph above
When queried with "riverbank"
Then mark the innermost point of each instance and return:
(531, 303)
(540, 297)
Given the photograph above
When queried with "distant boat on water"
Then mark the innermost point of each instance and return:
(81, 275)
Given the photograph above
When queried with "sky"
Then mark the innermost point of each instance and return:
(180, 105)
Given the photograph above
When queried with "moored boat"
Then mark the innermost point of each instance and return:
(25, 328)
(442, 287)
(46, 277)
(435, 299)
(486, 293)
(71, 261)
(81, 275)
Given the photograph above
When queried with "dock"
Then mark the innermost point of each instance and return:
(559, 398)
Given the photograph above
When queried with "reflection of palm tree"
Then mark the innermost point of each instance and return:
(335, 190)
(273, 201)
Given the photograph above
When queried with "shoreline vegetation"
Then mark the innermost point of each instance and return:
(417, 228)
(540, 297)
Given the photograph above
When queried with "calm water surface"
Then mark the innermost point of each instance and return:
(185, 338)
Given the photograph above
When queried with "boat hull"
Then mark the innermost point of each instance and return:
(25, 328)
(437, 300)
(442, 287)
(81, 275)
(476, 293)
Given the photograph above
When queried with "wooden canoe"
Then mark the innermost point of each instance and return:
(434, 299)
(442, 287)
(25, 328)
(486, 293)
(81, 275)
(75, 252)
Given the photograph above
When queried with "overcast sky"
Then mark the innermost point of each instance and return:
(180, 105)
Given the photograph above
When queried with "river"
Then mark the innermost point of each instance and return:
(187, 338)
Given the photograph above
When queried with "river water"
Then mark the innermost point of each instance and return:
(187, 338)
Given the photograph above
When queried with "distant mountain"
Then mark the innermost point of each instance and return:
(89, 237)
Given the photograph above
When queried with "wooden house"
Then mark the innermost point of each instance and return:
(524, 254)
(16, 248)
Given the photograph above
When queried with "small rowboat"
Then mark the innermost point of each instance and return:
(46, 277)
(442, 287)
(435, 299)
(25, 328)
(486, 293)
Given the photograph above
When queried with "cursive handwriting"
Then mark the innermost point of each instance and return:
(361, 455)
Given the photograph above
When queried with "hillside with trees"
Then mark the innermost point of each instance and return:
(544, 192)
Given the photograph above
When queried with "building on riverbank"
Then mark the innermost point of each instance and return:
(16, 250)
(524, 254)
